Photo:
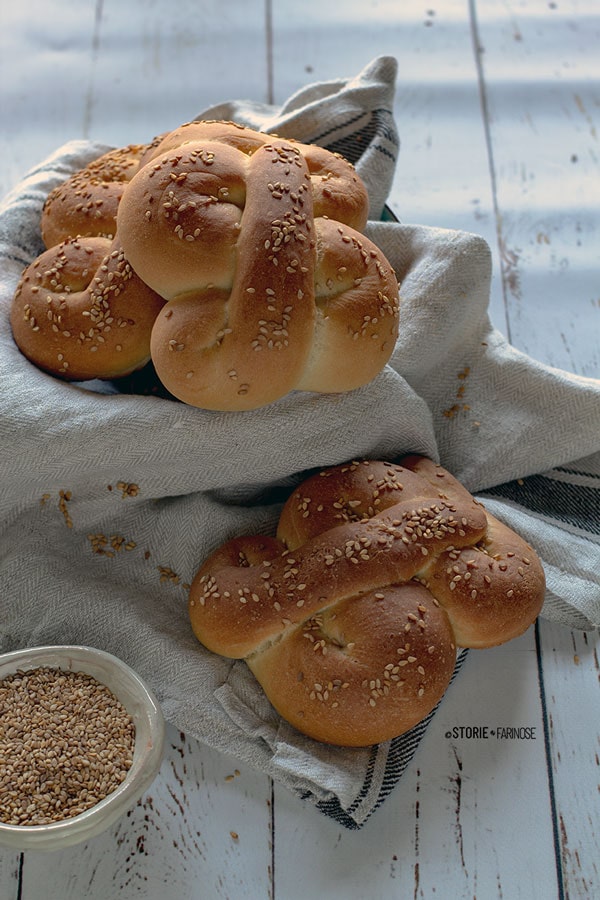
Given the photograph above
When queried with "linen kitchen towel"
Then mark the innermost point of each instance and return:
(114, 494)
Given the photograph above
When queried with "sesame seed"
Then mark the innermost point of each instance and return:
(87, 738)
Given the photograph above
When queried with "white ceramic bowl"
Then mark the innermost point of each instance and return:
(140, 703)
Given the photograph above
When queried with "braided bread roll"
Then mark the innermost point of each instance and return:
(81, 312)
(350, 618)
(256, 244)
(86, 203)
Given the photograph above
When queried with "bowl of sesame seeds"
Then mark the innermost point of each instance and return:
(81, 739)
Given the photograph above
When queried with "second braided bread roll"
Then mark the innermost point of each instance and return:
(350, 618)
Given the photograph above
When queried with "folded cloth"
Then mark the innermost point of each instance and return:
(113, 496)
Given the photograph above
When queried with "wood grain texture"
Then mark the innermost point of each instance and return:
(497, 109)
(541, 113)
(571, 668)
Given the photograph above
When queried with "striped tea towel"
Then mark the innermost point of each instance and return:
(113, 495)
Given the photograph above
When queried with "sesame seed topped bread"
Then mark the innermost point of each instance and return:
(85, 205)
(243, 273)
(81, 312)
(256, 244)
(350, 617)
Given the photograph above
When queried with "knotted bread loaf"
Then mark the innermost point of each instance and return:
(350, 618)
(80, 311)
(256, 244)
(86, 203)
(252, 244)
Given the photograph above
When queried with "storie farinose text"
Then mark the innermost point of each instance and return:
(487, 732)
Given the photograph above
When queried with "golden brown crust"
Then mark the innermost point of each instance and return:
(80, 312)
(493, 590)
(255, 244)
(350, 618)
(337, 190)
(268, 288)
(86, 203)
(363, 671)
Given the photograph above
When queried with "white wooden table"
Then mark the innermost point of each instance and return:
(498, 112)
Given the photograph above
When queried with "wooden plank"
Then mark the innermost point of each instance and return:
(10, 863)
(158, 66)
(120, 72)
(571, 669)
(541, 71)
(46, 67)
